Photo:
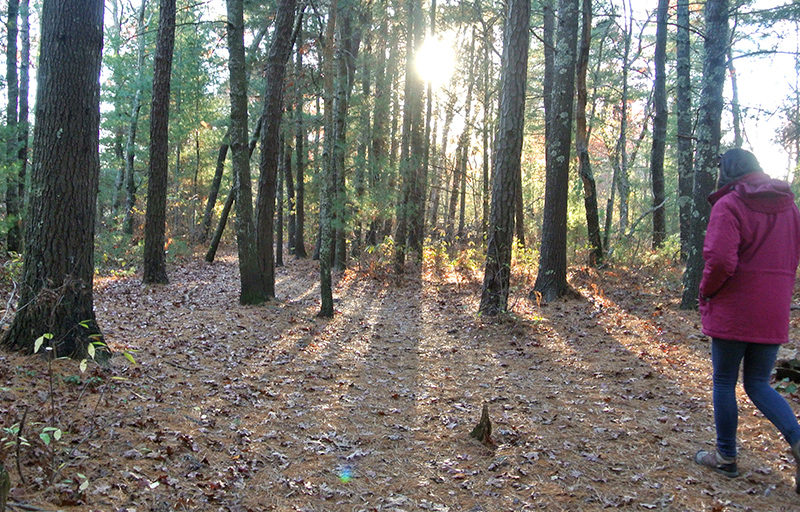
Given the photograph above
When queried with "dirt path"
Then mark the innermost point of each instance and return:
(597, 403)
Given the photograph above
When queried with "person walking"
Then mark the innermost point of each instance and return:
(751, 252)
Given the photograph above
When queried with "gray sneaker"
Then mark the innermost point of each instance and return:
(796, 453)
(719, 463)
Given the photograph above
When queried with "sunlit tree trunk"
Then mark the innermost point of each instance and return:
(410, 204)
(497, 273)
(155, 264)
(56, 289)
(551, 280)
(708, 139)
(659, 126)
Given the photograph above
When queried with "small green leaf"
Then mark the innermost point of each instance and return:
(90, 350)
(84, 485)
(45, 438)
(129, 357)
(83, 366)
(57, 434)
(81, 476)
(84, 323)
(39, 341)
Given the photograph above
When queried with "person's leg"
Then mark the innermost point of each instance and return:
(758, 362)
(726, 356)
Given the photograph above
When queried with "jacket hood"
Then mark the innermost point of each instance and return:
(759, 193)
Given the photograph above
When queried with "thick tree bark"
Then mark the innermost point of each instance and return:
(279, 51)
(497, 273)
(155, 264)
(683, 109)
(130, 145)
(708, 137)
(659, 126)
(253, 289)
(582, 142)
(12, 140)
(56, 292)
(551, 280)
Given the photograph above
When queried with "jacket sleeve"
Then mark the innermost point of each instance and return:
(721, 248)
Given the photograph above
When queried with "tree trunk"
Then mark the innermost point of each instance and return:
(300, 150)
(219, 170)
(253, 289)
(551, 281)
(279, 51)
(659, 126)
(621, 151)
(458, 193)
(409, 207)
(155, 265)
(582, 142)
(288, 180)
(23, 126)
(736, 111)
(223, 221)
(708, 137)
(378, 153)
(130, 146)
(12, 140)
(496, 278)
(449, 111)
(56, 291)
(279, 200)
(683, 109)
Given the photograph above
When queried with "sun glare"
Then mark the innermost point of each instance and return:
(436, 60)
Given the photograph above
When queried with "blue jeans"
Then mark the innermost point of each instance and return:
(759, 359)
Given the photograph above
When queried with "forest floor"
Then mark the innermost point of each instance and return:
(596, 403)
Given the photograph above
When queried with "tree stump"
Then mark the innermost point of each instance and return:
(483, 430)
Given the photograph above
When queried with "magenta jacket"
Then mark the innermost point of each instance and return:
(751, 252)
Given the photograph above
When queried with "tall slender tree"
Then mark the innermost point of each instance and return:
(497, 273)
(133, 125)
(24, 86)
(155, 263)
(300, 151)
(708, 140)
(683, 111)
(551, 280)
(12, 137)
(279, 51)
(582, 133)
(56, 291)
(659, 126)
(410, 204)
